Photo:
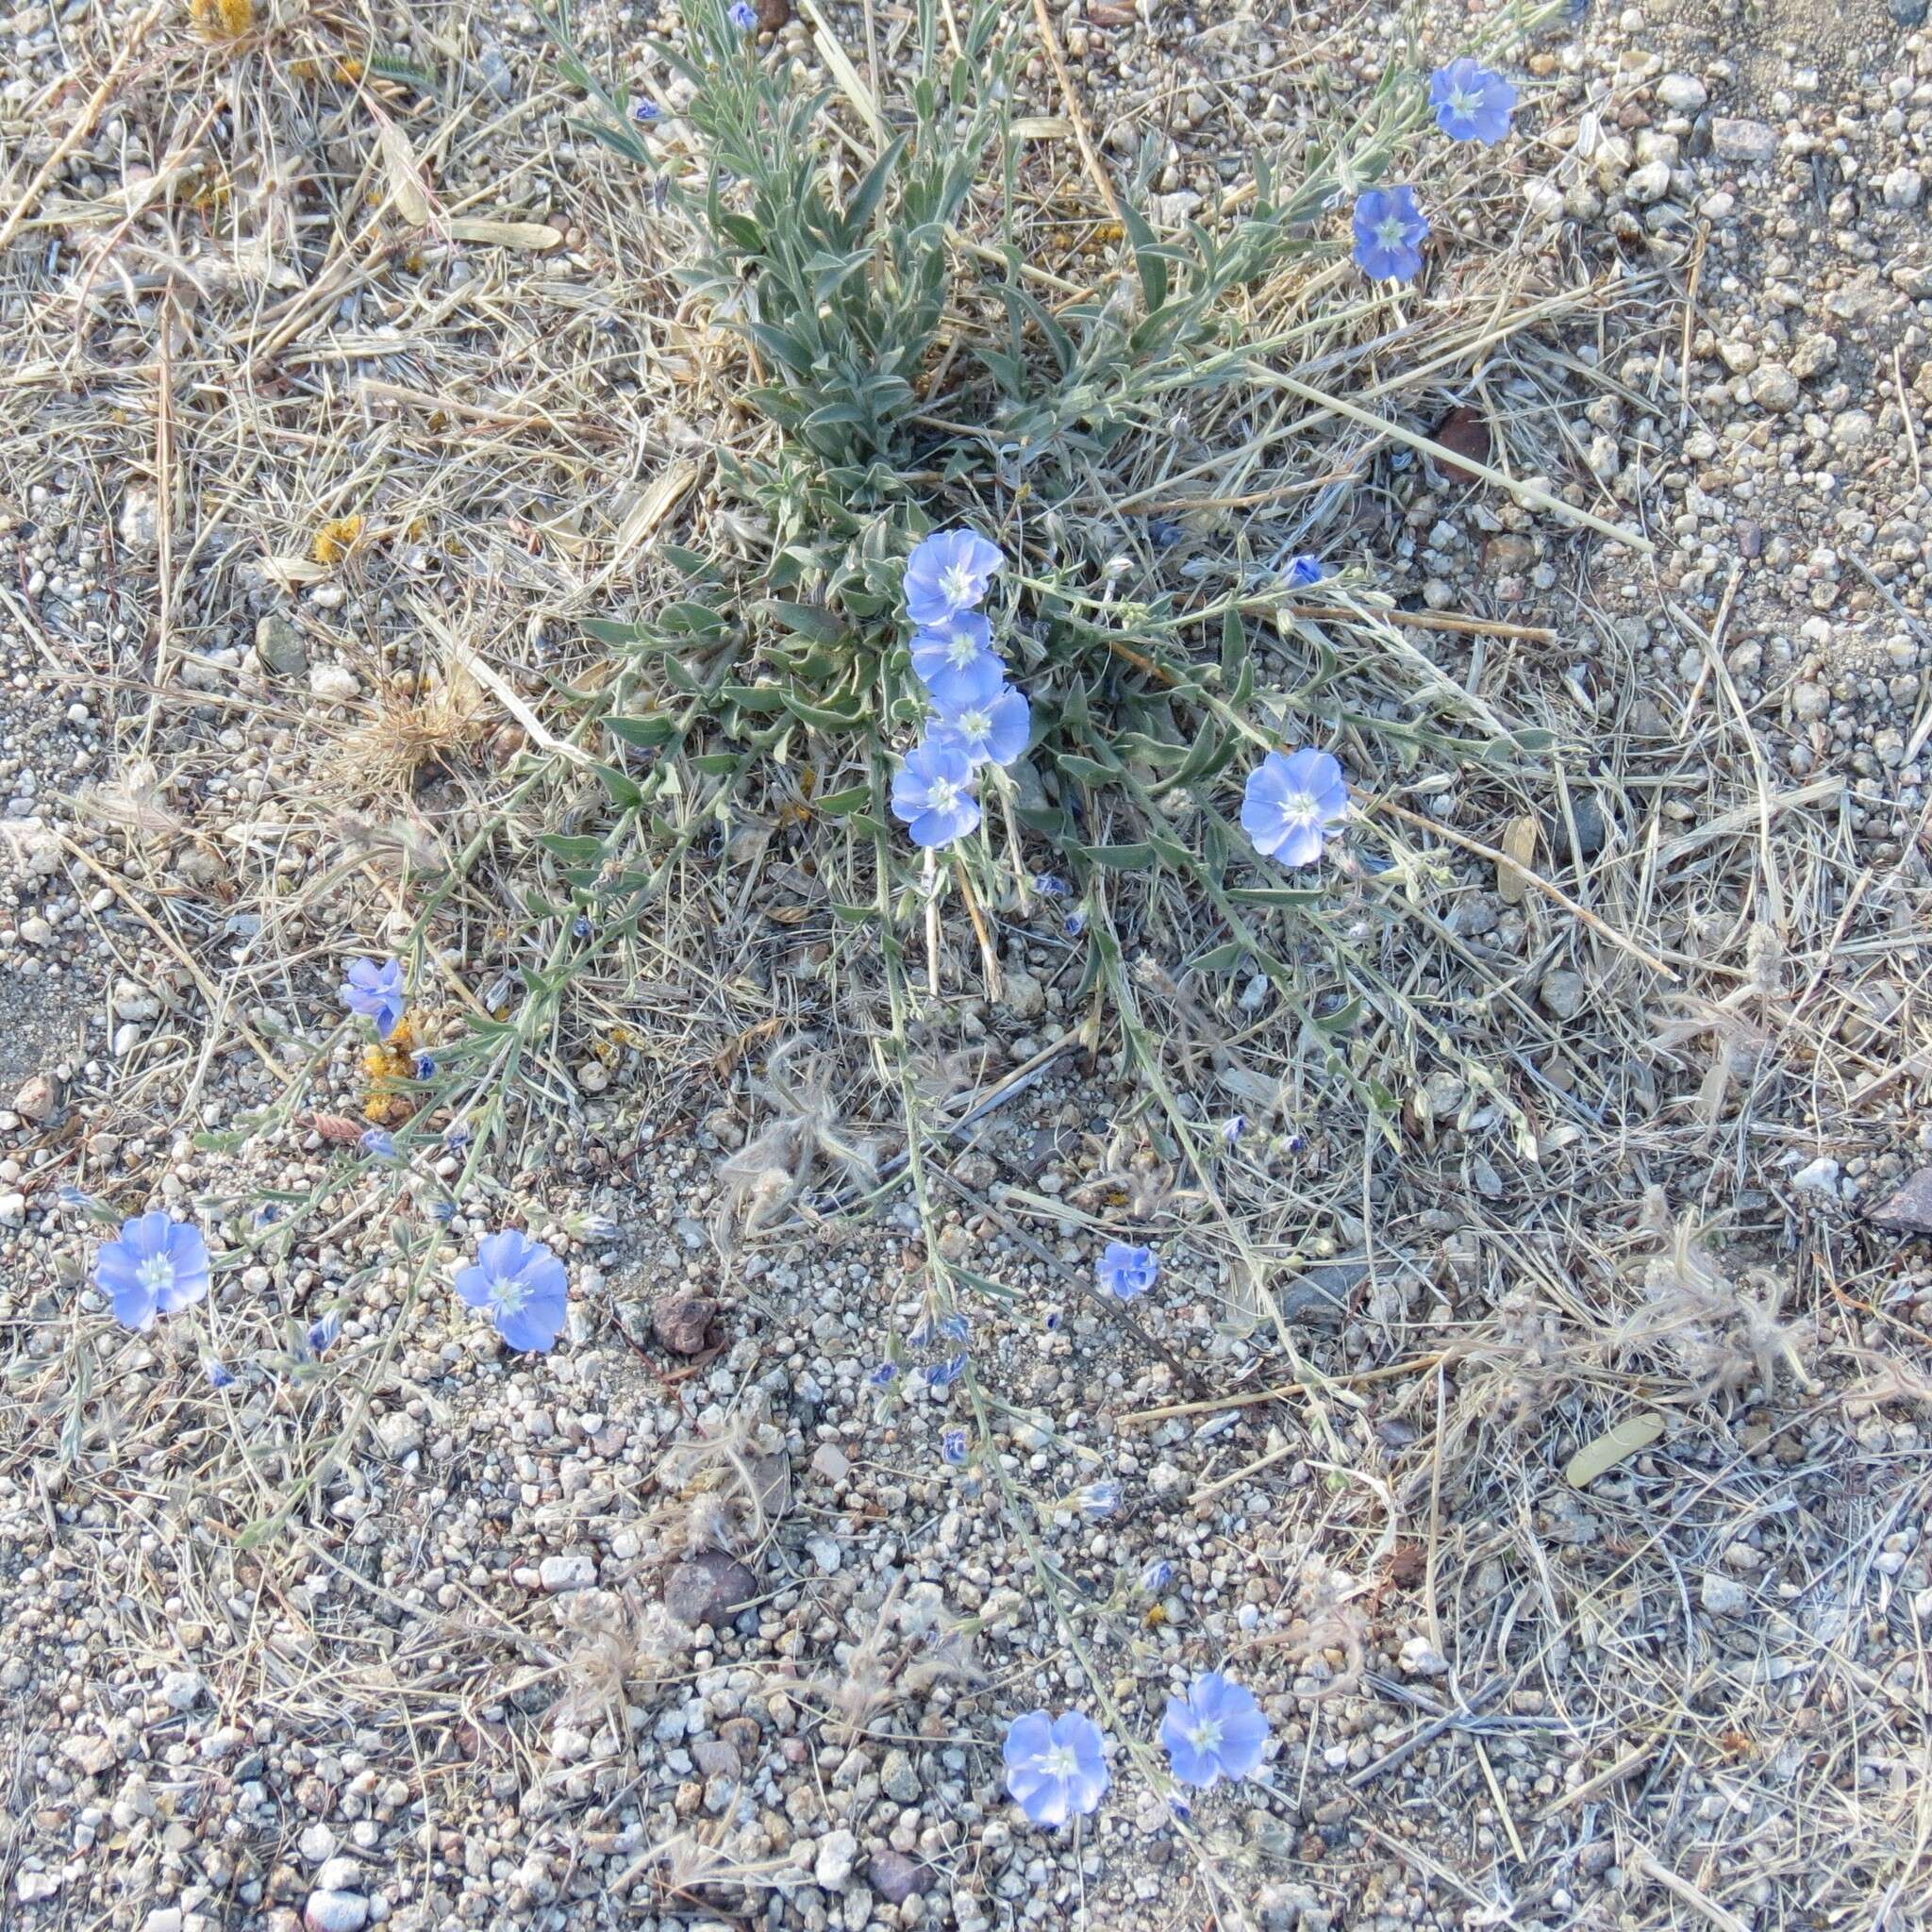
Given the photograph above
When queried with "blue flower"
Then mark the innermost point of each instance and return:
(379, 1145)
(1157, 1576)
(1291, 805)
(323, 1333)
(155, 1267)
(376, 992)
(1233, 1128)
(1471, 102)
(952, 1447)
(220, 1375)
(954, 1325)
(644, 112)
(952, 659)
(933, 793)
(1125, 1271)
(1055, 1768)
(947, 574)
(983, 716)
(883, 1376)
(522, 1284)
(580, 927)
(948, 1372)
(1305, 570)
(1214, 1732)
(1098, 1499)
(741, 16)
(1390, 230)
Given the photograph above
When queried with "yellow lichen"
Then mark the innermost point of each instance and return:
(336, 538)
(222, 20)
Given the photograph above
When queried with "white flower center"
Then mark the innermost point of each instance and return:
(1389, 231)
(507, 1294)
(961, 651)
(975, 723)
(155, 1274)
(1061, 1762)
(942, 795)
(1298, 807)
(1206, 1734)
(1462, 102)
(956, 582)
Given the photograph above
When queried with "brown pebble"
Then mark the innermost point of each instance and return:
(684, 1322)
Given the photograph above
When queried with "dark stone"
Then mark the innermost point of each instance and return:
(894, 1876)
(686, 1323)
(1910, 1210)
(709, 1588)
(1909, 13)
(1591, 828)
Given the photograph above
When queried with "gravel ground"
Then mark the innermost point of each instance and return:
(689, 1624)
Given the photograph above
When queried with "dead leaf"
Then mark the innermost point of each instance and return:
(536, 237)
(1518, 844)
(1463, 433)
(405, 176)
(773, 15)
(337, 1128)
(1633, 1433)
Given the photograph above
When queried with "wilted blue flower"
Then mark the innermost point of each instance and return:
(598, 1228)
(644, 112)
(522, 1284)
(1305, 570)
(220, 1375)
(1216, 1731)
(1470, 102)
(1125, 1271)
(952, 1446)
(933, 793)
(1390, 230)
(155, 1267)
(267, 1214)
(1053, 1320)
(741, 16)
(426, 1066)
(1055, 1767)
(1294, 801)
(376, 991)
(1048, 886)
(948, 1372)
(1075, 924)
(580, 927)
(75, 1200)
(444, 1211)
(378, 1144)
(954, 1326)
(1157, 1576)
(1099, 1499)
(457, 1135)
(1233, 1127)
(947, 574)
(883, 1376)
(323, 1333)
(1164, 532)
(952, 659)
(988, 721)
